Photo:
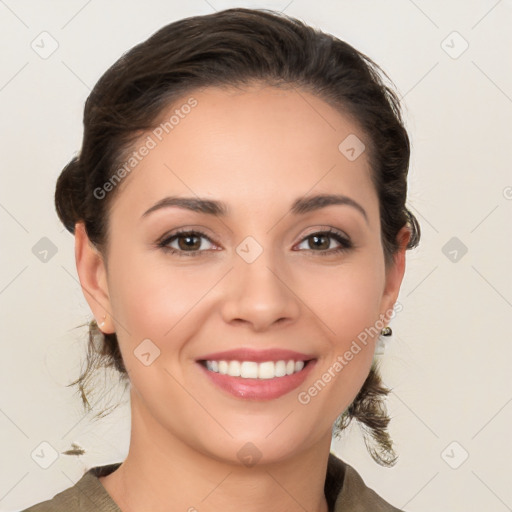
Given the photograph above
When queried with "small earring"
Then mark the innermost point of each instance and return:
(380, 346)
(103, 322)
(386, 331)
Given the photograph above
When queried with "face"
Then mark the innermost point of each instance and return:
(273, 276)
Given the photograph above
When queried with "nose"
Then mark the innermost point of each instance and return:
(259, 294)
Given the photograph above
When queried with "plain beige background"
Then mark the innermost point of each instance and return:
(449, 360)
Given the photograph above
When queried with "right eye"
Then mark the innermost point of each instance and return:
(188, 243)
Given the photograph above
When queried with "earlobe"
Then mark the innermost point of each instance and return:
(93, 278)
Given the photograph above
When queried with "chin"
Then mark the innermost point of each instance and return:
(265, 445)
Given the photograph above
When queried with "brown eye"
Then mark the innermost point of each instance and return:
(186, 243)
(189, 242)
(320, 242)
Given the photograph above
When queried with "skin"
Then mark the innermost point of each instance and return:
(257, 149)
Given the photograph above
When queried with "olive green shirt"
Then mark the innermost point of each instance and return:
(344, 489)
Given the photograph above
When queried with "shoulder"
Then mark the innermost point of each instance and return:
(353, 494)
(86, 495)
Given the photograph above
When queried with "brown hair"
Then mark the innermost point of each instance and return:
(237, 47)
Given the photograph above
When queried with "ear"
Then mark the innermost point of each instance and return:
(93, 278)
(395, 274)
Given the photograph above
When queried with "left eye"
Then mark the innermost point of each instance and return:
(322, 240)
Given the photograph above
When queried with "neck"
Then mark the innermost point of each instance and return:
(162, 472)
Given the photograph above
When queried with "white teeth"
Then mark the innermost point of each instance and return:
(234, 368)
(248, 370)
(266, 370)
(253, 370)
(223, 367)
(280, 369)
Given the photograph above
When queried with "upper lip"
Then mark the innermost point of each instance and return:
(258, 356)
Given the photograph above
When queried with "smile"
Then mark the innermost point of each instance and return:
(254, 370)
(251, 380)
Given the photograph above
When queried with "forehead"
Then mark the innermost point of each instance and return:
(254, 145)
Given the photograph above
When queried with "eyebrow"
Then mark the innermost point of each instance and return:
(300, 206)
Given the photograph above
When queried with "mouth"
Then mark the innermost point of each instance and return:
(255, 370)
(263, 375)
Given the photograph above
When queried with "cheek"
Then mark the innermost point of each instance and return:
(150, 299)
(351, 310)
(351, 301)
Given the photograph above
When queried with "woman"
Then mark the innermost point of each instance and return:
(238, 206)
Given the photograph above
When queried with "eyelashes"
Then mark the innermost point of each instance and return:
(181, 235)
(345, 243)
(186, 235)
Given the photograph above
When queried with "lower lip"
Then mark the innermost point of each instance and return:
(259, 389)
